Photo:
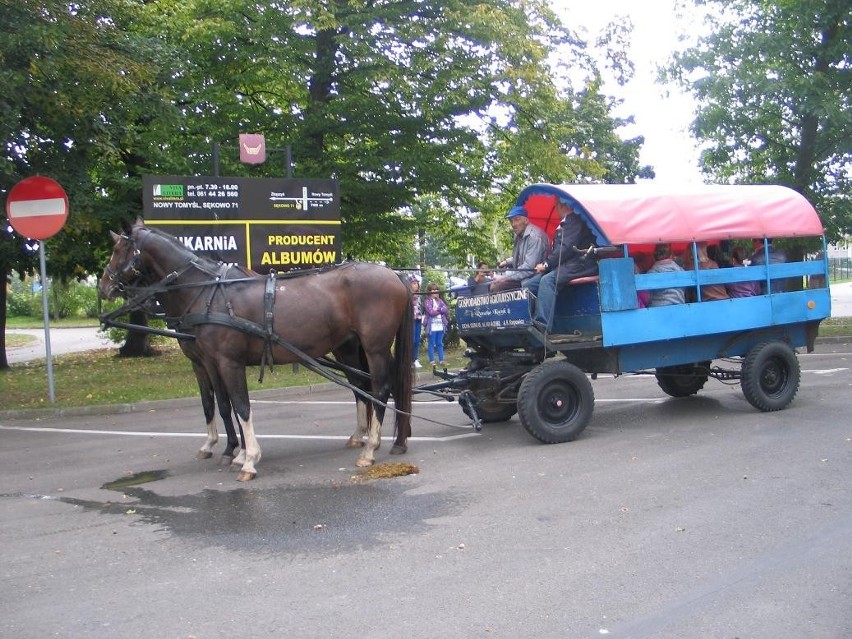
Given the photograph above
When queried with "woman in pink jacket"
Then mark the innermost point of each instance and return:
(436, 319)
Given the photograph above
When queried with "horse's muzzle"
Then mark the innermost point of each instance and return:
(109, 288)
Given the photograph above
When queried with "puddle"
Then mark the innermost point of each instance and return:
(283, 519)
(145, 477)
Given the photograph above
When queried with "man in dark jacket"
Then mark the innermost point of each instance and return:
(562, 265)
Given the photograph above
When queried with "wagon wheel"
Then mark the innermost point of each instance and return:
(491, 411)
(555, 402)
(683, 381)
(770, 376)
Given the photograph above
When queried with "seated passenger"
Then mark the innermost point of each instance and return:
(741, 289)
(530, 248)
(641, 263)
(715, 253)
(776, 256)
(562, 265)
(709, 292)
(480, 281)
(665, 264)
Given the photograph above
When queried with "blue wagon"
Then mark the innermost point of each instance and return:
(601, 324)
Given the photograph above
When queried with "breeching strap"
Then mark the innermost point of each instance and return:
(268, 316)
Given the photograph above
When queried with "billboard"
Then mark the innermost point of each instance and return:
(262, 223)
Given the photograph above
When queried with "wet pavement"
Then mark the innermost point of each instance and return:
(667, 518)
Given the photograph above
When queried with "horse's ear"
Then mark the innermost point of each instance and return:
(125, 226)
(115, 237)
(140, 221)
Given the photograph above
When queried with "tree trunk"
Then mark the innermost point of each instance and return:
(137, 343)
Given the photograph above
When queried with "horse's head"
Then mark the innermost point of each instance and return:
(124, 264)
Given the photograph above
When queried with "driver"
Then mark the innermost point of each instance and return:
(562, 265)
(531, 244)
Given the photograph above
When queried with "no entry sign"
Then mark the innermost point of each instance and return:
(37, 207)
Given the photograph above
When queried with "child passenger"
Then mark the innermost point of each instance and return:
(741, 289)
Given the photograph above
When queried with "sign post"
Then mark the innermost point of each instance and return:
(37, 207)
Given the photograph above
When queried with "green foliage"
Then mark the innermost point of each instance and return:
(773, 82)
(21, 301)
(66, 299)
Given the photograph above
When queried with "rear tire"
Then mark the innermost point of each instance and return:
(555, 402)
(683, 381)
(770, 376)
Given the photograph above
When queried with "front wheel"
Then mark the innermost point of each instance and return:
(770, 376)
(555, 402)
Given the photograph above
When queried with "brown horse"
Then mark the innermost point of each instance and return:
(358, 312)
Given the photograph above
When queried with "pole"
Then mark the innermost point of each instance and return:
(44, 292)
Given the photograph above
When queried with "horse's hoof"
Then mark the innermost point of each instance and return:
(398, 450)
(354, 443)
(363, 463)
(226, 460)
(246, 476)
(203, 454)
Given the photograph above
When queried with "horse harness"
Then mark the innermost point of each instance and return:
(266, 331)
(140, 297)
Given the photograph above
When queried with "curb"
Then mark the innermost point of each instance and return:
(838, 339)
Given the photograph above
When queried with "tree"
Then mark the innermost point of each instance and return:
(773, 82)
(62, 65)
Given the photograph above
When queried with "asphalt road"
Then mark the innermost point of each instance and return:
(699, 517)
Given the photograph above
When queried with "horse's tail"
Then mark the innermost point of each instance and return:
(403, 384)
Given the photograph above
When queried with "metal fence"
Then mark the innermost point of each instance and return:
(839, 268)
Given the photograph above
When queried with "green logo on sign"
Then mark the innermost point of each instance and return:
(168, 190)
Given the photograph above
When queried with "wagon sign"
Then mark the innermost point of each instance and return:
(37, 207)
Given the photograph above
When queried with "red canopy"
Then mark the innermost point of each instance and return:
(648, 214)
